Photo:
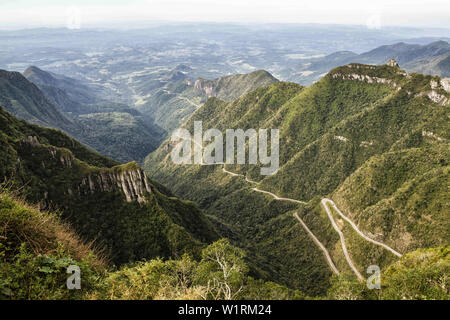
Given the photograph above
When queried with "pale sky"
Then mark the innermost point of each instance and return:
(79, 13)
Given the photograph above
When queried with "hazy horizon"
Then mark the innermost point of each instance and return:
(23, 14)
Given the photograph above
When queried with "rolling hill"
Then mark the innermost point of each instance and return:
(65, 208)
(439, 65)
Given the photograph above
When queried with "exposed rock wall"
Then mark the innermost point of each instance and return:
(365, 78)
(206, 87)
(132, 183)
(434, 94)
(392, 63)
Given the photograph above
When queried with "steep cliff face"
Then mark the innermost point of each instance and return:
(389, 74)
(445, 83)
(365, 78)
(353, 123)
(206, 87)
(129, 179)
(435, 88)
(133, 183)
(232, 87)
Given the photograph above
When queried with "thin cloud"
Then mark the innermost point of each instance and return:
(435, 13)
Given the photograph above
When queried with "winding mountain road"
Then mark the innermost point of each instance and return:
(238, 175)
(342, 239)
(232, 173)
(279, 198)
(355, 227)
(324, 202)
(319, 244)
(313, 237)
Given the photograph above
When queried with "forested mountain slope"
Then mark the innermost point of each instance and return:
(113, 129)
(115, 205)
(372, 138)
(25, 100)
(174, 102)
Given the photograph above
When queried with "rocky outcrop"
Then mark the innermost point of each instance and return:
(445, 83)
(32, 141)
(365, 78)
(129, 179)
(366, 73)
(437, 97)
(231, 87)
(392, 63)
(133, 183)
(341, 138)
(432, 135)
(436, 94)
(205, 87)
(66, 159)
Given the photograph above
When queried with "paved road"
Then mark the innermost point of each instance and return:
(314, 238)
(238, 175)
(279, 198)
(324, 203)
(342, 239)
(319, 244)
(331, 202)
(232, 173)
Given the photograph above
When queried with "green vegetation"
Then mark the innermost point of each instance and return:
(366, 136)
(63, 103)
(418, 275)
(173, 105)
(220, 274)
(231, 87)
(36, 248)
(121, 135)
(109, 203)
(25, 100)
(401, 194)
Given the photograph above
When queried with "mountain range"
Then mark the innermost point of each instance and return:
(427, 59)
(112, 128)
(63, 205)
(175, 99)
(372, 138)
(363, 181)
